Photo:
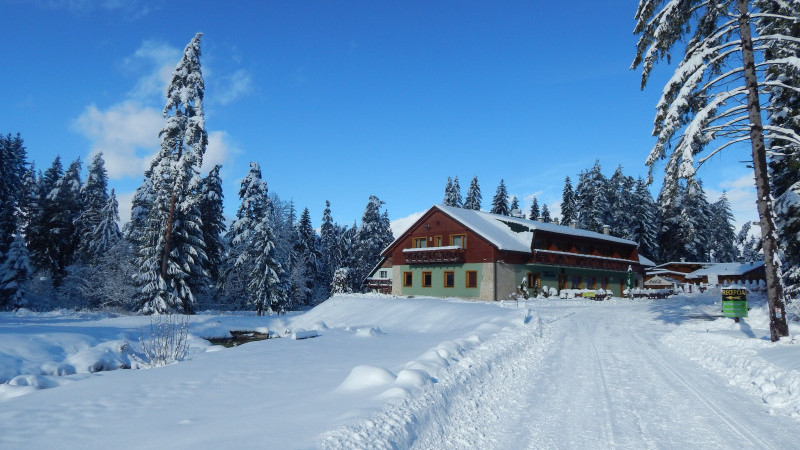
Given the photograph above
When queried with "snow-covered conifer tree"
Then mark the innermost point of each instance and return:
(457, 194)
(448, 193)
(328, 255)
(500, 200)
(106, 233)
(473, 200)
(13, 172)
(372, 239)
(514, 206)
(545, 217)
(535, 213)
(591, 199)
(721, 236)
(213, 221)
(172, 254)
(643, 220)
(94, 198)
(61, 212)
(341, 281)
(37, 233)
(568, 206)
(715, 93)
(14, 272)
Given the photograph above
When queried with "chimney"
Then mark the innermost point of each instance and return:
(573, 224)
(607, 230)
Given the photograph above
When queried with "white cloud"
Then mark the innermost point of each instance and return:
(156, 61)
(126, 134)
(234, 86)
(741, 194)
(399, 226)
(218, 151)
(125, 201)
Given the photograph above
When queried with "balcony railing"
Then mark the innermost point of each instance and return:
(434, 255)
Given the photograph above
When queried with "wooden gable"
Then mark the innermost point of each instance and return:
(438, 228)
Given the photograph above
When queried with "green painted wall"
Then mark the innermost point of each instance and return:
(508, 278)
(437, 288)
(550, 276)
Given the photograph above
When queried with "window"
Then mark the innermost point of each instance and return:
(472, 278)
(426, 279)
(420, 242)
(449, 279)
(592, 283)
(605, 283)
(436, 241)
(458, 240)
(576, 282)
(534, 280)
(408, 279)
(384, 274)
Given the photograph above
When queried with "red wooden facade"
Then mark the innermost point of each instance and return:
(547, 248)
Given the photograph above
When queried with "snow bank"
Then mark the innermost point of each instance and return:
(743, 353)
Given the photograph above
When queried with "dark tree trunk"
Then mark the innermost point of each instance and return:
(777, 310)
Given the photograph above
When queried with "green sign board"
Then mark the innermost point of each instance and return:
(734, 302)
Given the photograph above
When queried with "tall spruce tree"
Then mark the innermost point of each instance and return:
(514, 206)
(106, 234)
(372, 237)
(37, 232)
(253, 263)
(449, 198)
(545, 217)
(15, 270)
(13, 171)
(568, 206)
(329, 260)
(93, 198)
(535, 214)
(721, 236)
(213, 221)
(591, 198)
(500, 200)
(784, 112)
(173, 259)
(473, 200)
(714, 97)
(643, 220)
(61, 212)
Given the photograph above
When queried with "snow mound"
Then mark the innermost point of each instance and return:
(413, 378)
(367, 331)
(367, 377)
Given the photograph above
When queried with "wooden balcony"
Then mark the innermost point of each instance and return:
(434, 255)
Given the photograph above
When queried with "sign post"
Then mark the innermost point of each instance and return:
(734, 303)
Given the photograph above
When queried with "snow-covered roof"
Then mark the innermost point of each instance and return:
(726, 269)
(647, 262)
(516, 234)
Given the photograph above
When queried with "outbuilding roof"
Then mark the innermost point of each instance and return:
(725, 269)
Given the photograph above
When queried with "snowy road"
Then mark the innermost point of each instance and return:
(395, 373)
(586, 377)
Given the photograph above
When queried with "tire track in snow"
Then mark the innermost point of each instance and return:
(609, 418)
(738, 427)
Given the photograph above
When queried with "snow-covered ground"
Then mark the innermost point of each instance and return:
(389, 372)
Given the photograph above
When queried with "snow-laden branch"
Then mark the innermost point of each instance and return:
(783, 133)
(695, 129)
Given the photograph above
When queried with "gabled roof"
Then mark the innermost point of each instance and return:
(726, 269)
(511, 233)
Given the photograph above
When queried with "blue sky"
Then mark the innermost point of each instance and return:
(340, 100)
